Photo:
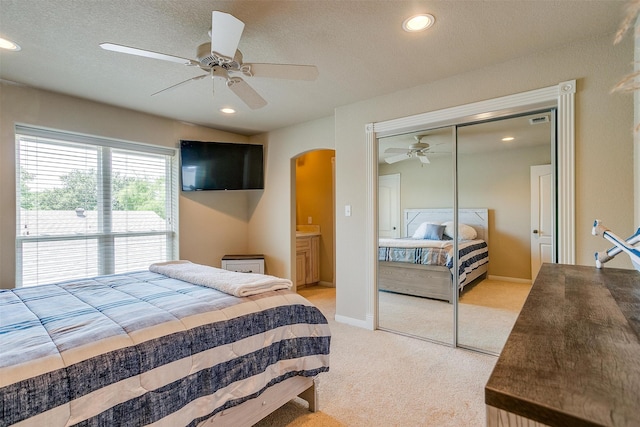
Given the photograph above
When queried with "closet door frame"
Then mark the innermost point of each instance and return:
(561, 97)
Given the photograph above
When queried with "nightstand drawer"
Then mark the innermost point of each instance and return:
(243, 264)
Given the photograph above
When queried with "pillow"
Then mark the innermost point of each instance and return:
(421, 231)
(429, 231)
(465, 232)
(434, 232)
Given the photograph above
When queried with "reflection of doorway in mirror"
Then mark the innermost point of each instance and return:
(541, 217)
(389, 206)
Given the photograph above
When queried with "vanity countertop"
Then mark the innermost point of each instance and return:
(307, 233)
(573, 355)
(307, 230)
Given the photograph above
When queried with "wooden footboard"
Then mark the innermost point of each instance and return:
(250, 412)
(430, 281)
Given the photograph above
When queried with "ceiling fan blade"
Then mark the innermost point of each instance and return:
(423, 158)
(283, 71)
(398, 158)
(246, 93)
(226, 31)
(397, 150)
(147, 53)
(181, 83)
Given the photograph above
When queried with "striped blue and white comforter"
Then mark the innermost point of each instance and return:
(472, 253)
(141, 348)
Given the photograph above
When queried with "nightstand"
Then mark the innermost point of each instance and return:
(244, 263)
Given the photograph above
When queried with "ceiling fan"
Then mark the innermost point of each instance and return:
(418, 149)
(222, 60)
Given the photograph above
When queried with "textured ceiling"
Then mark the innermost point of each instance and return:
(358, 46)
(478, 137)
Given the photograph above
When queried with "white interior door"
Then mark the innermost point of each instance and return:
(542, 226)
(389, 206)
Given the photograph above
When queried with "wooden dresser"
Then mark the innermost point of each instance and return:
(573, 356)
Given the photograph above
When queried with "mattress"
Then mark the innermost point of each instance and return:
(141, 348)
(472, 253)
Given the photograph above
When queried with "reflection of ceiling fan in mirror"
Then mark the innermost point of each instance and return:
(222, 60)
(418, 149)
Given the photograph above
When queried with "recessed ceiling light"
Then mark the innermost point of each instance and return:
(508, 138)
(418, 22)
(228, 110)
(8, 44)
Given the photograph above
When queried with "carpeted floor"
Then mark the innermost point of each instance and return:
(486, 313)
(380, 378)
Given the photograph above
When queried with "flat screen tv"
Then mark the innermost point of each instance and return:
(221, 166)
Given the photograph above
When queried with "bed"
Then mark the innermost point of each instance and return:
(143, 348)
(424, 267)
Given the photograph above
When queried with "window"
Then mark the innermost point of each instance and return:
(88, 206)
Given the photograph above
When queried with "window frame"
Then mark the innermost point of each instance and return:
(105, 236)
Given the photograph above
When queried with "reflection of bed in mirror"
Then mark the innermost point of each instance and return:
(423, 267)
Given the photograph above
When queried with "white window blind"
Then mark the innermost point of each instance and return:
(89, 206)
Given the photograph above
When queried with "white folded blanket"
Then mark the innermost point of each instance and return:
(230, 282)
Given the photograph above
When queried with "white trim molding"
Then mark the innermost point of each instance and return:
(565, 164)
(560, 96)
(372, 226)
(364, 324)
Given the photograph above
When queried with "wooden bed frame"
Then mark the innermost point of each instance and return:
(431, 281)
(251, 411)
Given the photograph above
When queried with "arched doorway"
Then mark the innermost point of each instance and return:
(314, 219)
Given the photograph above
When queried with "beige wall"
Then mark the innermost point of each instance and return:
(314, 198)
(498, 181)
(211, 223)
(501, 182)
(273, 215)
(604, 148)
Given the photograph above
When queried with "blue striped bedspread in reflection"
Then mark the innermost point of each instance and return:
(472, 253)
(141, 348)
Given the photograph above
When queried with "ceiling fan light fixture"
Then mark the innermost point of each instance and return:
(228, 110)
(508, 139)
(418, 22)
(9, 45)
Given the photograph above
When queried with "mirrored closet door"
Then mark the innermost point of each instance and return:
(415, 198)
(503, 167)
(464, 285)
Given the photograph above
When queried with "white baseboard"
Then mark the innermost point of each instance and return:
(365, 324)
(509, 279)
